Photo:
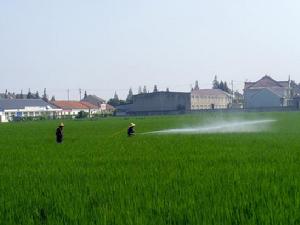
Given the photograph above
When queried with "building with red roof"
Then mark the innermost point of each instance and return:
(72, 108)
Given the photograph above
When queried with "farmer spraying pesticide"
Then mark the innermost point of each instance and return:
(130, 130)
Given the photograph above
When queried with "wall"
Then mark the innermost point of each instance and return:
(9, 115)
(208, 102)
(2, 117)
(261, 98)
(161, 102)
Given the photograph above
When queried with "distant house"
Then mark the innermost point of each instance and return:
(100, 103)
(93, 99)
(12, 108)
(266, 92)
(209, 99)
(157, 103)
(72, 108)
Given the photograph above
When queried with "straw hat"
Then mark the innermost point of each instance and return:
(61, 125)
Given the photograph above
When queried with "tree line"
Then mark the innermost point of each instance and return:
(115, 101)
(29, 95)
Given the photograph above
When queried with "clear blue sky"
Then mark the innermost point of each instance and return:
(107, 45)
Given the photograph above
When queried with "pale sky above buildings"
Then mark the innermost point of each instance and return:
(104, 46)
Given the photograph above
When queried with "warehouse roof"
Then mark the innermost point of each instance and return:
(6, 104)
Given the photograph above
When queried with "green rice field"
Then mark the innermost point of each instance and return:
(100, 176)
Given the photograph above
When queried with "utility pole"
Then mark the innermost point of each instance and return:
(79, 94)
(68, 94)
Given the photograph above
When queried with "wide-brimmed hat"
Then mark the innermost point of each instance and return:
(132, 124)
(61, 125)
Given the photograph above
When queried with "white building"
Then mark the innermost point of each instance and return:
(210, 99)
(11, 108)
(2, 117)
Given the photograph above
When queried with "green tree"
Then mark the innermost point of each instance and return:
(21, 95)
(37, 95)
(221, 85)
(196, 86)
(114, 101)
(29, 95)
(216, 84)
(145, 89)
(129, 96)
(225, 88)
(45, 96)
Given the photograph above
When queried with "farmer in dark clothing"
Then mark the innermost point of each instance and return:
(130, 130)
(60, 133)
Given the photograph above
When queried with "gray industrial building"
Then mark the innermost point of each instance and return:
(266, 93)
(157, 103)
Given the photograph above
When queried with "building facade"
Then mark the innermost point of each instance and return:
(267, 93)
(93, 99)
(72, 108)
(11, 109)
(210, 99)
(158, 103)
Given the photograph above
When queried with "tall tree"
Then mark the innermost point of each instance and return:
(29, 94)
(37, 95)
(155, 88)
(226, 88)
(85, 95)
(221, 86)
(114, 101)
(196, 86)
(45, 96)
(129, 96)
(140, 90)
(6, 94)
(216, 84)
(167, 90)
(144, 89)
(116, 97)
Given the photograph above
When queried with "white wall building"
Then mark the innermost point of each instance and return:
(210, 99)
(11, 108)
(2, 117)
